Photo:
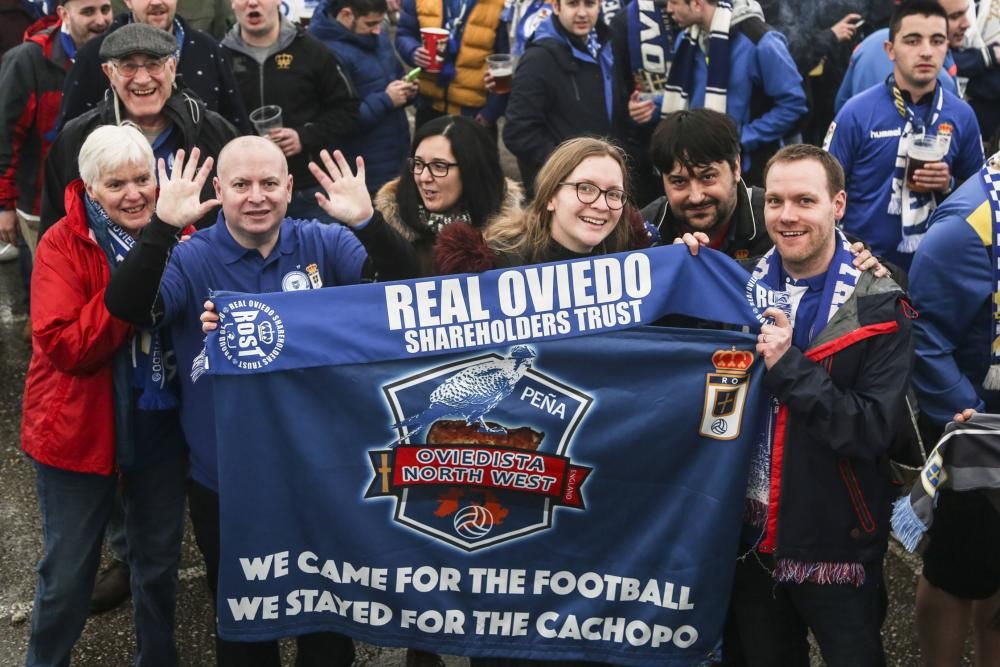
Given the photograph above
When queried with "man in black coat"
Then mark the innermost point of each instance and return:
(697, 153)
(201, 65)
(277, 63)
(141, 68)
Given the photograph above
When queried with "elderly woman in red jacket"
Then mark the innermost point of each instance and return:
(99, 411)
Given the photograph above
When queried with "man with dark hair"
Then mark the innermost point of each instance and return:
(697, 153)
(353, 29)
(838, 364)
(201, 65)
(871, 137)
(729, 60)
(141, 66)
(277, 62)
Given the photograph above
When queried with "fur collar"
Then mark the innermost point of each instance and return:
(385, 202)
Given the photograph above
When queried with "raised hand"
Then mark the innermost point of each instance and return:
(346, 198)
(179, 203)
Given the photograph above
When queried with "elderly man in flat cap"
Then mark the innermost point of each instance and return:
(141, 64)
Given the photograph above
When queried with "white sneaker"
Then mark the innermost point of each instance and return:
(8, 252)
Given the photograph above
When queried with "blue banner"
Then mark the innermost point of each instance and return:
(566, 484)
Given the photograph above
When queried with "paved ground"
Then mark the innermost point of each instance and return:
(108, 640)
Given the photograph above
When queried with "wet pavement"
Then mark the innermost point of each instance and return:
(108, 640)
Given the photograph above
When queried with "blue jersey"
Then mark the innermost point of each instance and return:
(951, 283)
(870, 65)
(864, 137)
(307, 255)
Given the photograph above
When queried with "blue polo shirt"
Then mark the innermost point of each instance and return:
(212, 260)
(864, 137)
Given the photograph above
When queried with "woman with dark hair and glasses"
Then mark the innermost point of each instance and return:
(581, 208)
(453, 175)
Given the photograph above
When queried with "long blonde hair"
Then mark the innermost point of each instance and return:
(529, 233)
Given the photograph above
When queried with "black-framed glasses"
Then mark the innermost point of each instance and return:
(438, 168)
(588, 193)
(130, 69)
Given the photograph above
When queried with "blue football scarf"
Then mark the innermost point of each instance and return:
(650, 45)
(838, 287)
(454, 22)
(680, 82)
(503, 464)
(146, 349)
(914, 208)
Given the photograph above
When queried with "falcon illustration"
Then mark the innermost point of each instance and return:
(473, 392)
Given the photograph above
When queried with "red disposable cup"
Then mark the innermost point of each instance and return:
(436, 43)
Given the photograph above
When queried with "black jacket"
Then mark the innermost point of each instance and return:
(747, 237)
(558, 96)
(841, 406)
(198, 127)
(203, 68)
(305, 79)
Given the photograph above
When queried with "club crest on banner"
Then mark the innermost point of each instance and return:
(725, 394)
(251, 335)
(482, 449)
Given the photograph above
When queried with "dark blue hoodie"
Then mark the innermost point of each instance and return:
(383, 135)
(560, 92)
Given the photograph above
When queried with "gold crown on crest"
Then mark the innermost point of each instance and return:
(732, 361)
(284, 60)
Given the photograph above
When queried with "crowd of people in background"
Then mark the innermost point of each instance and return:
(339, 134)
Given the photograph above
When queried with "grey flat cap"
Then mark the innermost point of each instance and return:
(138, 38)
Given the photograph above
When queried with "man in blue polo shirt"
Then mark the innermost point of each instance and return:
(871, 134)
(253, 248)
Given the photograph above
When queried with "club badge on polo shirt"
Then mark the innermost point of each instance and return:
(294, 281)
(297, 280)
(314, 278)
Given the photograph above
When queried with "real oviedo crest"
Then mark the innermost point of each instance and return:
(725, 394)
(482, 449)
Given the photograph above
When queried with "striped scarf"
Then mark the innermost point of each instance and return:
(841, 279)
(680, 82)
(966, 458)
(914, 208)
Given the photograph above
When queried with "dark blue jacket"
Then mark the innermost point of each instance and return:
(951, 283)
(383, 135)
(560, 92)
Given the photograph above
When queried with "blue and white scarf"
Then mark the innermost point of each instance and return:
(454, 22)
(841, 280)
(150, 373)
(680, 83)
(918, 205)
(650, 44)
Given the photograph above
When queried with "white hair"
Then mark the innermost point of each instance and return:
(110, 147)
